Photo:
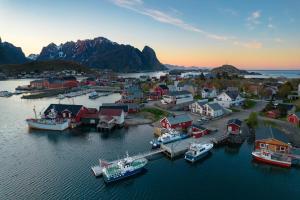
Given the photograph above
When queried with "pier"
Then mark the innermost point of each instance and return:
(178, 148)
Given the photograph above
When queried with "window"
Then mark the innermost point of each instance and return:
(262, 145)
(282, 148)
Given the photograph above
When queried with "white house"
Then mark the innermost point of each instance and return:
(117, 116)
(197, 107)
(229, 98)
(208, 93)
(178, 97)
(212, 110)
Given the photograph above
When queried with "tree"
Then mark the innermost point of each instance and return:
(252, 120)
(285, 89)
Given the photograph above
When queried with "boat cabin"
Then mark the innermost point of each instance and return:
(273, 145)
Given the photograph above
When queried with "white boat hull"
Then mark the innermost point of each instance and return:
(43, 126)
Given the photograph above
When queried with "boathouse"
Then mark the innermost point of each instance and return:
(272, 144)
(234, 126)
(176, 122)
(91, 117)
(124, 107)
(117, 114)
(294, 118)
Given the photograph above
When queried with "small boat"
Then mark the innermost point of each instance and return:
(60, 96)
(93, 95)
(197, 151)
(278, 159)
(5, 94)
(168, 137)
(124, 168)
(50, 122)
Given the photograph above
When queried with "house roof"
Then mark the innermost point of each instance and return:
(232, 94)
(124, 107)
(176, 93)
(164, 87)
(297, 114)
(235, 121)
(269, 132)
(214, 106)
(110, 112)
(74, 109)
(176, 119)
(199, 127)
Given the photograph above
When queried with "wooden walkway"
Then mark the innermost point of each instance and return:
(178, 148)
(97, 169)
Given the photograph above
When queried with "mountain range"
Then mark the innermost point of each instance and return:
(98, 53)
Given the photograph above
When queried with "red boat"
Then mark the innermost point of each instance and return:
(281, 160)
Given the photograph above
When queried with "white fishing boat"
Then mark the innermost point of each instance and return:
(5, 94)
(197, 151)
(49, 122)
(60, 96)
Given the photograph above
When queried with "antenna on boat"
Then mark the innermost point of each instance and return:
(34, 112)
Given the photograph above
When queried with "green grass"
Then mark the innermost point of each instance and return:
(249, 104)
(197, 97)
(157, 113)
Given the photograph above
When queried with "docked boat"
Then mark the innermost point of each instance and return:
(168, 137)
(197, 151)
(5, 94)
(281, 160)
(60, 96)
(93, 95)
(124, 168)
(50, 122)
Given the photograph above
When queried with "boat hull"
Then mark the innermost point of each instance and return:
(270, 161)
(193, 159)
(52, 127)
(157, 144)
(124, 176)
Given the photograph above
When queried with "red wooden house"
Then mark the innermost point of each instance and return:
(273, 114)
(294, 118)
(176, 122)
(68, 111)
(234, 126)
(161, 90)
(199, 131)
(273, 145)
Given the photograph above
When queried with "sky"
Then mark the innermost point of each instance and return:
(249, 34)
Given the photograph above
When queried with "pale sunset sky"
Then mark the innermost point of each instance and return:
(250, 34)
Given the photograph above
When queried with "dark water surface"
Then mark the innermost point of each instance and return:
(47, 165)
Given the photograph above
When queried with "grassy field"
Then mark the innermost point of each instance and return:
(155, 114)
(249, 104)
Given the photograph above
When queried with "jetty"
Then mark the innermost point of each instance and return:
(97, 169)
(178, 148)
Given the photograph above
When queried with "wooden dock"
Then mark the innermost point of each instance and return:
(178, 148)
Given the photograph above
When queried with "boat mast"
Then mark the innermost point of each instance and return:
(34, 112)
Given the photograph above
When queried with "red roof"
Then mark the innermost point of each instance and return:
(111, 112)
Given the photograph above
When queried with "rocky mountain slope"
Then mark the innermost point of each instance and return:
(104, 54)
(9, 54)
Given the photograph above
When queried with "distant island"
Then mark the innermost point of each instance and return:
(229, 69)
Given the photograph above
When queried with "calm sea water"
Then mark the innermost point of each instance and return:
(47, 165)
(275, 74)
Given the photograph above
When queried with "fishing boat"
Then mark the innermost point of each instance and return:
(5, 94)
(268, 157)
(197, 151)
(49, 122)
(93, 95)
(60, 96)
(124, 168)
(168, 137)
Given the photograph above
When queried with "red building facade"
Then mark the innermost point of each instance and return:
(294, 119)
